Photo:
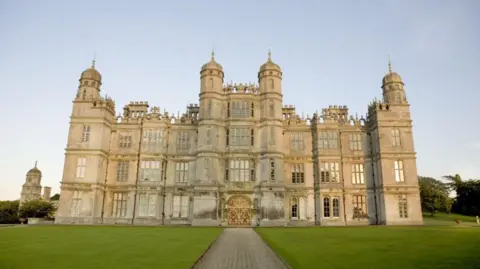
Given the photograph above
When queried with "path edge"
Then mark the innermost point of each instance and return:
(206, 250)
(276, 254)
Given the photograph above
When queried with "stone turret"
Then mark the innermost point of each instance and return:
(31, 189)
(46, 193)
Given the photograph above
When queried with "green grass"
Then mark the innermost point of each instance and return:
(376, 247)
(102, 247)
(449, 217)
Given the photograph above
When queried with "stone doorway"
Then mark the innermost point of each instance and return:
(239, 211)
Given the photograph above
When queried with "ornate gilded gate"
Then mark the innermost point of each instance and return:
(239, 211)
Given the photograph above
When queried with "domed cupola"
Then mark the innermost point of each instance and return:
(391, 77)
(211, 76)
(34, 171)
(270, 65)
(393, 88)
(91, 74)
(212, 65)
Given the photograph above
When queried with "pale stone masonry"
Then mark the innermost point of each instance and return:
(239, 158)
(32, 188)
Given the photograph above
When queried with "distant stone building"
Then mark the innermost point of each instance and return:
(240, 158)
(32, 188)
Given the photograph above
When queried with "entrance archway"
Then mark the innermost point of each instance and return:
(239, 211)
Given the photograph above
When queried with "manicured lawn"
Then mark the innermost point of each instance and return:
(449, 217)
(102, 247)
(376, 247)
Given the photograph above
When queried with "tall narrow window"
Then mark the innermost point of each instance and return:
(253, 110)
(209, 108)
(86, 133)
(206, 168)
(396, 140)
(180, 206)
(181, 172)
(359, 207)
(208, 136)
(81, 166)
(272, 170)
(403, 206)
(326, 207)
(355, 141)
(119, 204)
(84, 94)
(336, 207)
(330, 172)
(294, 207)
(125, 140)
(296, 141)
(271, 140)
(122, 171)
(252, 137)
(298, 174)
(228, 110)
(226, 171)
(227, 140)
(398, 165)
(271, 109)
(183, 142)
(76, 203)
(357, 174)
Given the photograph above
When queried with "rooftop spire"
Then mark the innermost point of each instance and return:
(269, 54)
(213, 53)
(389, 65)
(36, 164)
(93, 61)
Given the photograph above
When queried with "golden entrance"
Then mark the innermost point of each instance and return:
(239, 211)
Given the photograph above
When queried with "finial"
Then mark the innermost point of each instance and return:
(93, 61)
(269, 54)
(389, 65)
(36, 164)
(213, 53)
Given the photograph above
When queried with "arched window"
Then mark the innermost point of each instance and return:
(336, 207)
(326, 207)
(210, 83)
(84, 94)
(271, 84)
(294, 207)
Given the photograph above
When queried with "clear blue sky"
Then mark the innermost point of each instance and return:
(331, 52)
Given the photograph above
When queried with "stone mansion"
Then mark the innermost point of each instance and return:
(239, 158)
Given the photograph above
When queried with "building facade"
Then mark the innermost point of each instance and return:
(239, 158)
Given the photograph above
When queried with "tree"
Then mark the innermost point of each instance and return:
(36, 209)
(55, 197)
(434, 195)
(9, 212)
(467, 200)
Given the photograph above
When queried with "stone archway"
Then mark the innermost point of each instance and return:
(239, 211)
